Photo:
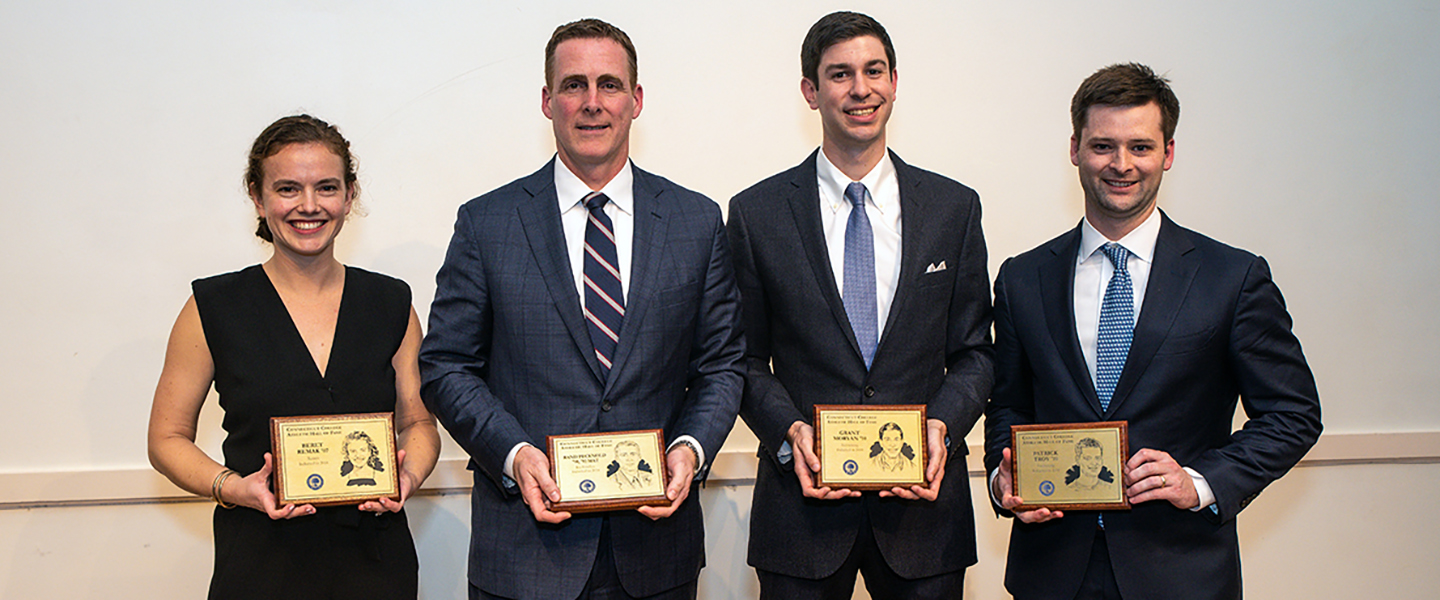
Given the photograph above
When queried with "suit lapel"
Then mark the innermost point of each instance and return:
(1057, 290)
(646, 253)
(916, 236)
(805, 210)
(1170, 277)
(540, 218)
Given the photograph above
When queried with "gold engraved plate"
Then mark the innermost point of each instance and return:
(334, 459)
(1076, 466)
(608, 471)
(864, 447)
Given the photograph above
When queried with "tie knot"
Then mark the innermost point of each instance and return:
(1118, 255)
(855, 193)
(596, 200)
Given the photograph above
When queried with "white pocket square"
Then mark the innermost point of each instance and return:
(936, 267)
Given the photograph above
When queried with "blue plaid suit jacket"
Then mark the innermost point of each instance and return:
(508, 359)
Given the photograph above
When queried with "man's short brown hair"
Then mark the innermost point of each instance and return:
(835, 28)
(589, 29)
(1129, 84)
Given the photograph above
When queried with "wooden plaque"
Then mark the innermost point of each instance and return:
(1074, 466)
(863, 447)
(608, 471)
(334, 459)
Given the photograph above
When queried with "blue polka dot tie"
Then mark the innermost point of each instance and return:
(604, 299)
(1117, 325)
(859, 286)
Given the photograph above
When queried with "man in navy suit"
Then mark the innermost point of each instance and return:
(1132, 317)
(590, 296)
(842, 307)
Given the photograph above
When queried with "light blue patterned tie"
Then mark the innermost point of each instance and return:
(604, 300)
(859, 285)
(1117, 329)
(1117, 325)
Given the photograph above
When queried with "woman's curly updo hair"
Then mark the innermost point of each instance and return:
(297, 129)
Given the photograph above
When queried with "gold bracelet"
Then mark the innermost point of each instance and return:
(219, 484)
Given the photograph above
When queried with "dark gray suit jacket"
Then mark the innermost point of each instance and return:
(1213, 327)
(935, 350)
(508, 359)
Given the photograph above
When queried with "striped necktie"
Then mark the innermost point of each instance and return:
(604, 298)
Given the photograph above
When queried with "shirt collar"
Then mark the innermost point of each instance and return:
(569, 190)
(1139, 242)
(833, 182)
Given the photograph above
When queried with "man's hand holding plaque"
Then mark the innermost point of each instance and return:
(537, 485)
(1003, 488)
(681, 463)
(807, 465)
(1154, 475)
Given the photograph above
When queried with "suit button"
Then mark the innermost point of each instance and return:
(606, 406)
(869, 391)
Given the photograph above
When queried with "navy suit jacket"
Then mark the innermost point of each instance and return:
(1213, 328)
(801, 351)
(508, 359)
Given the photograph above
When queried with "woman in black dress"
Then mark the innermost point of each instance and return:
(300, 334)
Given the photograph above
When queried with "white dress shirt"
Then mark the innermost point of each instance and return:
(570, 193)
(1092, 274)
(882, 206)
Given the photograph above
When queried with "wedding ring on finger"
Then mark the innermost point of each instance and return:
(1162, 481)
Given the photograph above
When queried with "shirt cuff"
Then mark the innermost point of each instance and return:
(1202, 488)
(509, 468)
(990, 488)
(786, 453)
(693, 443)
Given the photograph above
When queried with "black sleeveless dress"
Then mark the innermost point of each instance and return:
(263, 369)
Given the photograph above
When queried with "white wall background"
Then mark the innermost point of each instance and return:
(1308, 134)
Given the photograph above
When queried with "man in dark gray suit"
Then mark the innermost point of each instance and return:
(1130, 317)
(842, 308)
(590, 296)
